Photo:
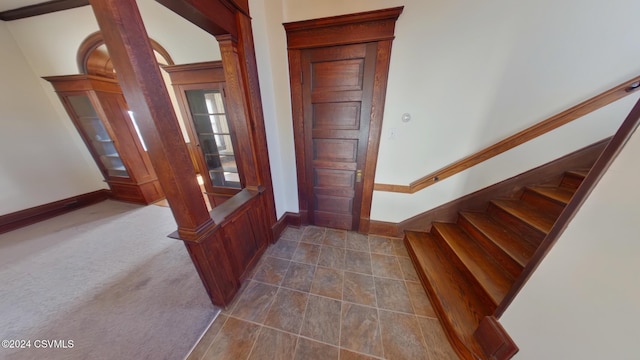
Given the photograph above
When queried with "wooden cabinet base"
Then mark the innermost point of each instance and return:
(146, 193)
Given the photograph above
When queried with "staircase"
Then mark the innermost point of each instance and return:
(468, 267)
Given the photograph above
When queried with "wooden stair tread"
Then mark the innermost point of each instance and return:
(505, 239)
(530, 215)
(489, 275)
(452, 295)
(558, 194)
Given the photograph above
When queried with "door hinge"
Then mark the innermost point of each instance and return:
(358, 176)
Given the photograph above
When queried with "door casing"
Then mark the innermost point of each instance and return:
(369, 27)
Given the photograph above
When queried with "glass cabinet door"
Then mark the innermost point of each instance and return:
(97, 135)
(210, 121)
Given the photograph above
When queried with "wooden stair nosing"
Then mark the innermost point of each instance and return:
(458, 312)
(529, 215)
(494, 281)
(496, 238)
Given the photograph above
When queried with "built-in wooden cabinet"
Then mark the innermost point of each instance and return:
(200, 92)
(99, 111)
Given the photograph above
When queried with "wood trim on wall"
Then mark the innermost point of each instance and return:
(519, 138)
(41, 9)
(93, 41)
(35, 214)
(287, 219)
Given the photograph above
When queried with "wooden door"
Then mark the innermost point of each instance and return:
(337, 88)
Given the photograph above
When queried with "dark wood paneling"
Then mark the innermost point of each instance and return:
(41, 9)
(35, 214)
(477, 201)
(343, 116)
(519, 138)
(494, 340)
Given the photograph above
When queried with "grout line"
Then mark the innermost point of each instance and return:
(215, 337)
(254, 343)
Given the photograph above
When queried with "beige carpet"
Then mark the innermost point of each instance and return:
(108, 279)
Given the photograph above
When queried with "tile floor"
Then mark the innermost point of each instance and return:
(328, 294)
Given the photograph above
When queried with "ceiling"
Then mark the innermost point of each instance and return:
(14, 4)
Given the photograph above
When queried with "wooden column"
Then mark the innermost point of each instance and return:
(141, 81)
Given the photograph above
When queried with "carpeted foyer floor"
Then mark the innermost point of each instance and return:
(103, 282)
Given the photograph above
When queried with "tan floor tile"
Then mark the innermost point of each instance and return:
(400, 249)
(307, 253)
(235, 341)
(331, 257)
(255, 302)
(408, 271)
(392, 295)
(283, 249)
(335, 238)
(207, 338)
(322, 320)
(358, 242)
(381, 245)
(359, 288)
(273, 345)
(328, 282)
(287, 310)
(386, 266)
(313, 235)
(438, 347)
(358, 261)
(299, 276)
(272, 270)
(313, 350)
(229, 309)
(360, 329)
(292, 233)
(418, 296)
(401, 336)
(350, 355)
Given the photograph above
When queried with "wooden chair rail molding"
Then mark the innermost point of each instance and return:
(517, 139)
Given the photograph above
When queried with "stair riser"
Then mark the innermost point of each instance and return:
(450, 255)
(571, 181)
(549, 206)
(506, 261)
(529, 233)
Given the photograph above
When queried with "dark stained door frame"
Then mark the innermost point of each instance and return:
(367, 27)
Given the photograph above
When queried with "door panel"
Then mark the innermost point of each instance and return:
(337, 90)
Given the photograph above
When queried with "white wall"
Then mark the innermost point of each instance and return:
(582, 301)
(472, 73)
(41, 160)
(271, 54)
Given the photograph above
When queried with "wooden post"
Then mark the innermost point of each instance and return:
(142, 84)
